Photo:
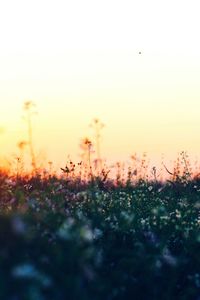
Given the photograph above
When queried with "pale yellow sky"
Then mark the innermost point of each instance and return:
(80, 59)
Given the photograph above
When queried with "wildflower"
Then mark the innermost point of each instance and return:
(168, 258)
(13, 200)
(178, 214)
(64, 230)
(97, 233)
(32, 203)
(86, 233)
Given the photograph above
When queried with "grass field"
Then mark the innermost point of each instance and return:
(62, 239)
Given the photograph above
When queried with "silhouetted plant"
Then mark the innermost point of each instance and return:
(86, 146)
(97, 125)
(29, 112)
(21, 146)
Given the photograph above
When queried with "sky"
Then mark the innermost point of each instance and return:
(135, 65)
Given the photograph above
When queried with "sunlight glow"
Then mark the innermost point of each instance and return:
(133, 64)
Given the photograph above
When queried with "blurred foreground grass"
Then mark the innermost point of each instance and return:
(66, 240)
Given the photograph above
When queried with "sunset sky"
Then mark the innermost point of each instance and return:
(78, 60)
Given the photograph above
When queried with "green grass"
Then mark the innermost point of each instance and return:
(71, 240)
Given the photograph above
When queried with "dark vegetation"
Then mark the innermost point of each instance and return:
(66, 238)
(91, 233)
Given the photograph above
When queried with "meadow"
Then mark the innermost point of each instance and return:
(66, 237)
(84, 213)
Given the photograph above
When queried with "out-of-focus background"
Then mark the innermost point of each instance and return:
(135, 65)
